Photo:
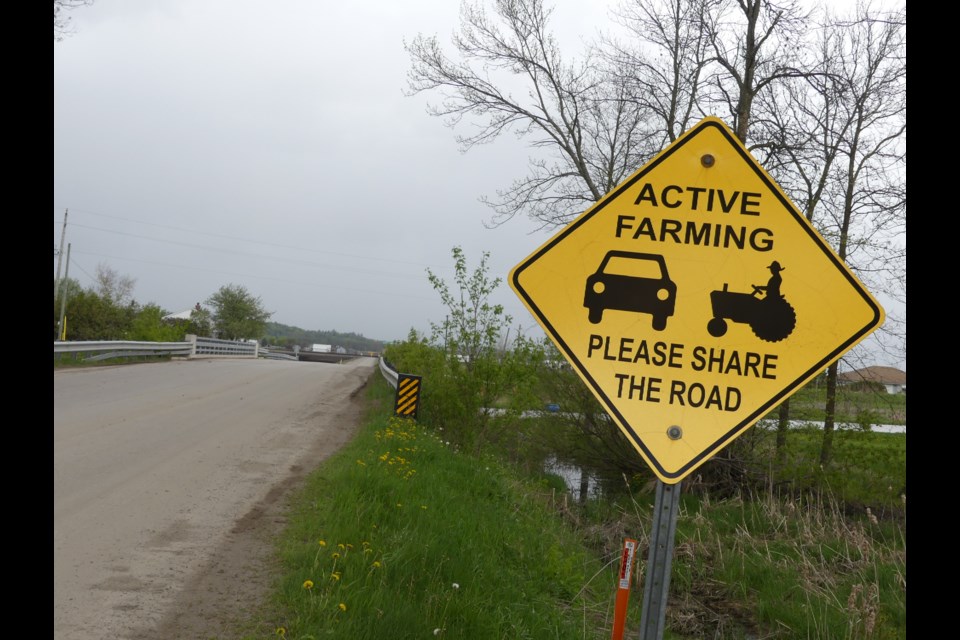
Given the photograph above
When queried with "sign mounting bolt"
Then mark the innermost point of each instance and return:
(674, 432)
(707, 160)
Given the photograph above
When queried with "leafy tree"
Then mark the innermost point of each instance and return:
(66, 287)
(237, 314)
(90, 316)
(285, 335)
(148, 325)
(470, 335)
(105, 311)
(465, 362)
(201, 321)
(473, 327)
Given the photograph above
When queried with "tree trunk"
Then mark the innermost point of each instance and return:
(783, 423)
(584, 485)
(826, 448)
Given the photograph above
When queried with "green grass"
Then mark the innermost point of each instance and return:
(866, 469)
(854, 406)
(767, 567)
(401, 536)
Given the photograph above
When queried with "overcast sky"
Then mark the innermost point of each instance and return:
(199, 143)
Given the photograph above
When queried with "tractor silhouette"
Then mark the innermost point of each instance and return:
(770, 317)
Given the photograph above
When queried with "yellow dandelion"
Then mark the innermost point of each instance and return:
(423, 506)
(308, 584)
(349, 546)
(376, 564)
(334, 555)
(342, 607)
(341, 547)
(335, 576)
(281, 632)
(361, 463)
(322, 543)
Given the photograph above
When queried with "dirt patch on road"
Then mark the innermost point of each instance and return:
(225, 598)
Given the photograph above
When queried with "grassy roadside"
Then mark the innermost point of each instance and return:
(400, 535)
(864, 407)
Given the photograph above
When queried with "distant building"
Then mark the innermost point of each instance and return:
(180, 315)
(893, 380)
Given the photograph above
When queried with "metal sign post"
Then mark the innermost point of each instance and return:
(657, 582)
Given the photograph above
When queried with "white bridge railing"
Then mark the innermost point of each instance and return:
(192, 347)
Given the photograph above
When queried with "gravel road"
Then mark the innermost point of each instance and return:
(169, 484)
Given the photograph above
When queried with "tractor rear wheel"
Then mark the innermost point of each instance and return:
(776, 321)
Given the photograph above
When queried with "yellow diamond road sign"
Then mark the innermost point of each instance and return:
(693, 299)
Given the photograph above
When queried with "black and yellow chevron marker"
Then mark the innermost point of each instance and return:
(408, 395)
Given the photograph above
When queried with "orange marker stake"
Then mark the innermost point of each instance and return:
(623, 588)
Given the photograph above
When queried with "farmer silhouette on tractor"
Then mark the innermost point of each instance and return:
(770, 317)
(773, 284)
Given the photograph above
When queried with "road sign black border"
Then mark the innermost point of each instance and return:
(772, 402)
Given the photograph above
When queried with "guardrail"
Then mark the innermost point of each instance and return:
(389, 373)
(406, 404)
(270, 355)
(192, 347)
(123, 349)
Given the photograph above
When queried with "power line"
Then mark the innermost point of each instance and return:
(311, 284)
(236, 238)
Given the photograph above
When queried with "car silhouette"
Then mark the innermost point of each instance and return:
(628, 281)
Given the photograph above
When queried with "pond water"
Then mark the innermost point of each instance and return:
(572, 476)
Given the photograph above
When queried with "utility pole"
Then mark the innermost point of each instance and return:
(63, 300)
(63, 235)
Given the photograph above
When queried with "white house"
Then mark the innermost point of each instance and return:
(893, 379)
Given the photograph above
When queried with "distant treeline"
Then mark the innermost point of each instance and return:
(282, 335)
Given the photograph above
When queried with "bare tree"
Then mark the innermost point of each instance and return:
(864, 208)
(662, 63)
(61, 21)
(111, 285)
(841, 155)
(511, 76)
(754, 46)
